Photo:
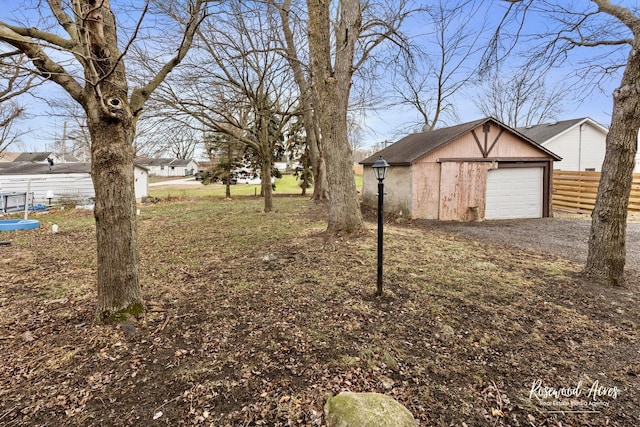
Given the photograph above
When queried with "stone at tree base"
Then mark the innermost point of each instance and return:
(366, 410)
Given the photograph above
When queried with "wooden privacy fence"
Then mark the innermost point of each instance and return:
(576, 191)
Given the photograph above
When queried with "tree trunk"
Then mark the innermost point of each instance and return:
(320, 185)
(111, 116)
(267, 189)
(227, 186)
(320, 190)
(332, 83)
(110, 121)
(607, 239)
(344, 208)
(119, 293)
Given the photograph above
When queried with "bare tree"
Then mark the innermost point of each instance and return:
(299, 65)
(83, 56)
(14, 81)
(521, 98)
(10, 112)
(444, 63)
(612, 30)
(332, 78)
(336, 52)
(168, 137)
(238, 83)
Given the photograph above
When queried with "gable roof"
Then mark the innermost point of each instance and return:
(39, 156)
(7, 156)
(544, 132)
(416, 145)
(33, 157)
(148, 161)
(29, 168)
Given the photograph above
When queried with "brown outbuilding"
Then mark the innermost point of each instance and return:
(472, 171)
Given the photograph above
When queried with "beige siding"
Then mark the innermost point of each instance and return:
(462, 186)
(508, 146)
(448, 182)
(397, 186)
(426, 190)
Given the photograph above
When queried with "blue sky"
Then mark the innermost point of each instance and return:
(591, 96)
(388, 124)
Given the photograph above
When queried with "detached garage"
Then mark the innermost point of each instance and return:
(477, 170)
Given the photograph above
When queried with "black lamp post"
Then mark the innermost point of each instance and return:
(380, 168)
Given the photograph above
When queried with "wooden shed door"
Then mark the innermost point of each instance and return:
(514, 193)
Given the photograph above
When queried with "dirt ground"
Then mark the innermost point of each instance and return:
(254, 319)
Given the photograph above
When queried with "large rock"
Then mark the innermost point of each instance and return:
(366, 410)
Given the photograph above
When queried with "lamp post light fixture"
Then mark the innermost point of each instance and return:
(380, 168)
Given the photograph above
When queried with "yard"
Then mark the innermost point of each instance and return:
(254, 319)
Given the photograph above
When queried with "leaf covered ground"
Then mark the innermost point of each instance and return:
(255, 319)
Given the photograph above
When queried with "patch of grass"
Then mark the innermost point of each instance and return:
(69, 220)
(285, 185)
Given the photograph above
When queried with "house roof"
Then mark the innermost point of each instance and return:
(70, 158)
(545, 132)
(29, 168)
(40, 156)
(416, 145)
(33, 157)
(7, 156)
(162, 161)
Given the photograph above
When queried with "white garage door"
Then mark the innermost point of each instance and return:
(514, 193)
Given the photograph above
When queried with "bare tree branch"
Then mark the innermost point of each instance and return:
(140, 95)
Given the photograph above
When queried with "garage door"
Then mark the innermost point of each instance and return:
(514, 193)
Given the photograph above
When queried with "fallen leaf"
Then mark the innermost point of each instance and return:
(497, 412)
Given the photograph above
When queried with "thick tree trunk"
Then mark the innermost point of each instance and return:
(110, 121)
(119, 293)
(344, 208)
(332, 83)
(111, 117)
(607, 239)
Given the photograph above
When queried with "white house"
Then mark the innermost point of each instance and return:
(168, 167)
(60, 182)
(580, 142)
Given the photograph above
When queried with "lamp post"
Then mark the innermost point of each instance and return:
(380, 168)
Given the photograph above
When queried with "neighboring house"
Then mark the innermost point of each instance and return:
(44, 157)
(168, 167)
(477, 170)
(62, 182)
(580, 142)
(7, 156)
